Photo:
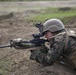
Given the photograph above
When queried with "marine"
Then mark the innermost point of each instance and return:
(62, 45)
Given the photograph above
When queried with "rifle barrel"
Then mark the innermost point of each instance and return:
(3, 46)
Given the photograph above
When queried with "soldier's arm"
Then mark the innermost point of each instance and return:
(53, 54)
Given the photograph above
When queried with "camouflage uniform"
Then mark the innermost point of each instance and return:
(56, 51)
(62, 45)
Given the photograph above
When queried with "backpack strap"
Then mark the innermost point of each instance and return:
(67, 35)
(68, 60)
(66, 41)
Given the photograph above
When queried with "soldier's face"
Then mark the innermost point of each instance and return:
(48, 35)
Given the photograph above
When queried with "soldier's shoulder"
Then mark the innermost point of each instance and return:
(60, 36)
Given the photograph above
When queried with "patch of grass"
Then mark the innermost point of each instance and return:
(53, 13)
(3, 68)
(68, 20)
(3, 72)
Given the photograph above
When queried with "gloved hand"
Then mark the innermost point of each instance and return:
(38, 56)
(16, 43)
(44, 50)
(34, 54)
(38, 52)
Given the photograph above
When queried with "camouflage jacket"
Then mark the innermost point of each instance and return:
(56, 51)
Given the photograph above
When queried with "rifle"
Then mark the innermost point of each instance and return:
(37, 41)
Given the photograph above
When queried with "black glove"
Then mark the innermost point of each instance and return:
(44, 50)
(34, 54)
(38, 52)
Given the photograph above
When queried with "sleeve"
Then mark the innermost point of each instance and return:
(55, 51)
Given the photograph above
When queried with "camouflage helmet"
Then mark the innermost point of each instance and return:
(53, 25)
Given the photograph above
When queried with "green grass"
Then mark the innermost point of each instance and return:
(4, 67)
(54, 13)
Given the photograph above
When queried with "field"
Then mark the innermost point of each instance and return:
(31, 0)
(17, 20)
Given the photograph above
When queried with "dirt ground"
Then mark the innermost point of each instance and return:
(17, 62)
